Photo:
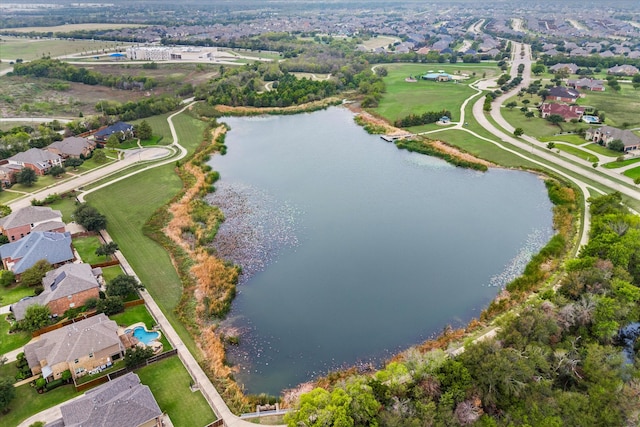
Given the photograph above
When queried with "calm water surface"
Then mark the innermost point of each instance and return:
(353, 250)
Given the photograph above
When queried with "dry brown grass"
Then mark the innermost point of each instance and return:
(225, 109)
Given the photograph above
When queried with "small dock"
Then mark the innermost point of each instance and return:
(393, 138)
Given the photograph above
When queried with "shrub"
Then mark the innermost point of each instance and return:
(40, 383)
(53, 384)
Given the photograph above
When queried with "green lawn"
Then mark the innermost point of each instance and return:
(480, 148)
(620, 107)
(571, 139)
(86, 247)
(615, 165)
(66, 206)
(536, 127)
(14, 293)
(28, 402)
(603, 150)
(132, 315)
(111, 272)
(170, 384)
(402, 98)
(9, 342)
(633, 173)
(129, 203)
(576, 152)
(159, 126)
(29, 49)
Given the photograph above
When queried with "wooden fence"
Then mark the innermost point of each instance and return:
(105, 264)
(59, 325)
(133, 303)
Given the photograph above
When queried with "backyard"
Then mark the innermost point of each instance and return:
(622, 108)
(10, 342)
(86, 247)
(170, 384)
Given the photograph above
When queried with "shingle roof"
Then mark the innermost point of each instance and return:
(563, 92)
(54, 247)
(74, 341)
(123, 402)
(116, 127)
(66, 280)
(35, 156)
(73, 146)
(29, 215)
(627, 137)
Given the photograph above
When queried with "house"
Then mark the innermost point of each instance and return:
(68, 286)
(605, 134)
(623, 70)
(123, 130)
(568, 112)
(20, 223)
(567, 68)
(80, 347)
(564, 94)
(122, 402)
(587, 84)
(8, 173)
(38, 160)
(73, 147)
(23, 254)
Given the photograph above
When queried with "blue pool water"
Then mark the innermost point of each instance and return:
(146, 337)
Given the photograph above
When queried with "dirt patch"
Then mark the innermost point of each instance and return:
(376, 121)
(446, 148)
(315, 105)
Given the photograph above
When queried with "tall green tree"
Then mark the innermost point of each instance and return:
(122, 285)
(143, 130)
(89, 217)
(7, 393)
(33, 275)
(36, 317)
(26, 177)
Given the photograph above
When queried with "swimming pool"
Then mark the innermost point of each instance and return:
(144, 336)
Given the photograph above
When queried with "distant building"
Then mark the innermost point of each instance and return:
(162, 53)
(568, 112)
(623, 70)
(123, 130)
(567, 68)
(437, 77)
(564, 94)
(72, 147)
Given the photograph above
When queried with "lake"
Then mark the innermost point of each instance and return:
(353, 250)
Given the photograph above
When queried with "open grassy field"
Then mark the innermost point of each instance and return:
(129, 203)
(10, 342)
(73, 27)
(28, 402)
(12, 48)
(622, 108)
(480, 148)
(379, 41)
(403, 98)
(169, 382)
(576, 152)
(536, 126)
(159, 126)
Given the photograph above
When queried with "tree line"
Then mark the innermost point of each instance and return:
(421, 119)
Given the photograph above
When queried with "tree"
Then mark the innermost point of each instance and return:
(137, 355)
(529, 114)
(36, 317)
(113, 141)
(4, 210)
(99, 156)
(6, 278)
(518, 132)
(636, 181)
(7, 393)
(556, 119)
(107, 249)
(526, 102)
(551, 145)
(511, 105)
(89, 217)
(56, 171)
(616, 145)
(122, 285)
(110, 305)
(73, 162)
(26, 177)
(143, 130)
(538, 69)
(33, 275)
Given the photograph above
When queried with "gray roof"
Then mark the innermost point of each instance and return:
(54, 247)
(66, 280)
(627, 137)
(35, 156)
(73, 341)
(123, 402)
(30, 215)
(72, 146)
(49, 226)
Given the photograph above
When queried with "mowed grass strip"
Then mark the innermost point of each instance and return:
(571, 139)
(603, 150)
(633, 173)
(576, 152)
(615, 165)
(170, 384)
(29, 49)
